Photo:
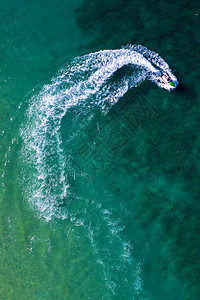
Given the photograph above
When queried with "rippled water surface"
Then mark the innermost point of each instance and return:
(99, 160)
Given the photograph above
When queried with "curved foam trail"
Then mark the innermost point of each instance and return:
(84, 80)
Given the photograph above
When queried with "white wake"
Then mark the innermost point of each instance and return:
(84, 80)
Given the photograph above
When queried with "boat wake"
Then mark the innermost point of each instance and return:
(84, 81)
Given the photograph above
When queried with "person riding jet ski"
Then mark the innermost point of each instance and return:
(167, 80)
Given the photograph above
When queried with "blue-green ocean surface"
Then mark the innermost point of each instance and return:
(99, 159)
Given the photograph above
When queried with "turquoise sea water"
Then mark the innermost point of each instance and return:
(99, 164)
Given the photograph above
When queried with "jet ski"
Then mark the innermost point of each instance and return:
(164, 78)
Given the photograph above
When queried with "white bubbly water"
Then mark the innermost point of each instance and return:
(84, 81)
(77, 82)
